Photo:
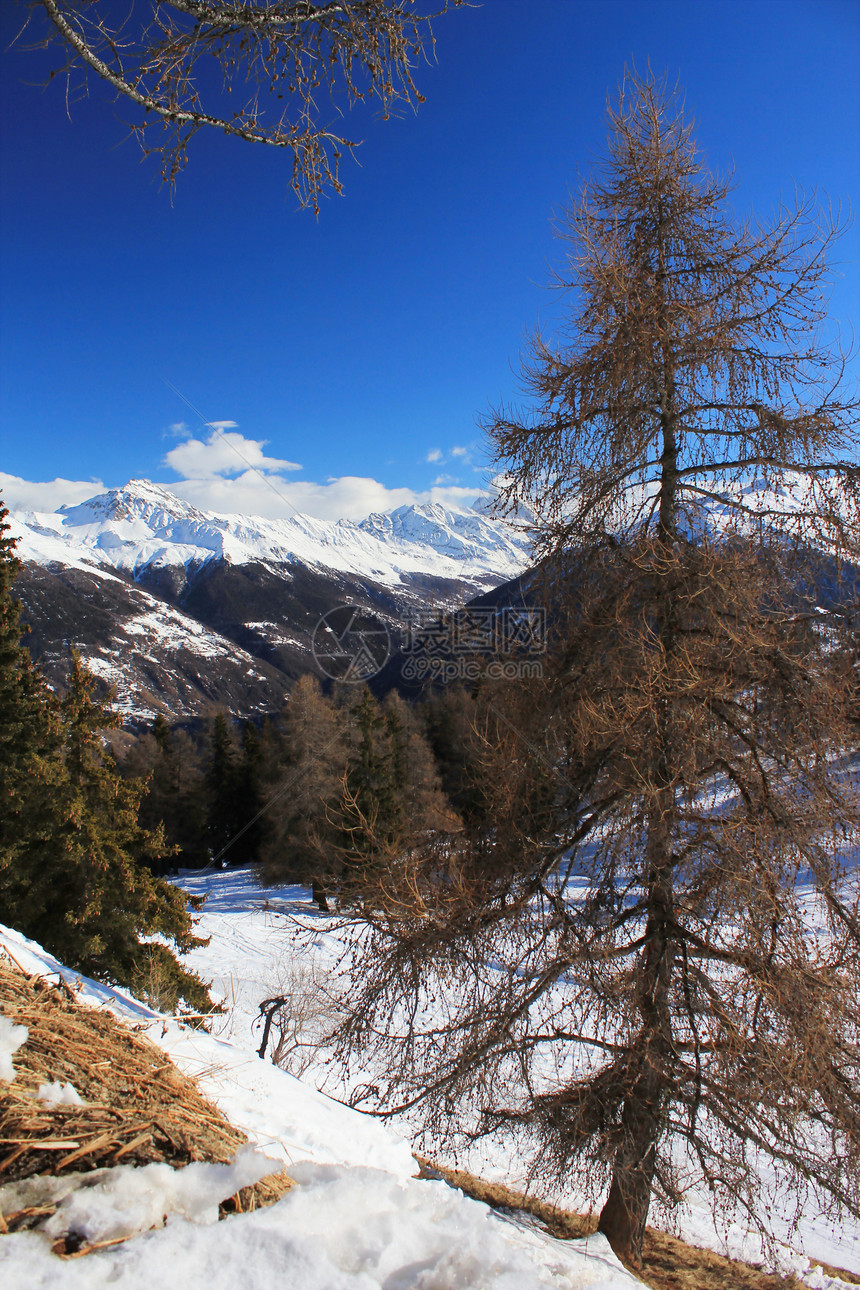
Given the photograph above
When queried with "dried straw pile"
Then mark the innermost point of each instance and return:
(139, 1107)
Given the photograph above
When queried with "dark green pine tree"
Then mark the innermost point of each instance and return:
(160, 803)
(225, 817)
(250, 771)
(104, 897)
(372, 775)
(369, 816)
(30, 744)
(72, 850)
(171, 764)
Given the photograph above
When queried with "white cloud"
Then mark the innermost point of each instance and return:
(222, 453)
(349, 497)
(230, 474)
(460, 453)
(23, 495)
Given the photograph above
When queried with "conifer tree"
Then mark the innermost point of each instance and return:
(72, 850)
(359, 781)
(30, 742)
(222, 816)
(450, 717)
(302, 843)
(251, 799)
(281, 59)
(170, 763)
(102, 897)
(633, 987)
(422, 803)
(376, 770)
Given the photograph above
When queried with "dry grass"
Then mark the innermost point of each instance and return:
(139, 1108)
(667, 1264)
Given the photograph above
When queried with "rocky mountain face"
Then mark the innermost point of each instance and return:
(184, 611)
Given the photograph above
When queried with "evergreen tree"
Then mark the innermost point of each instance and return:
(359, 782)
(250, 771)
(30, 744)
(98, 866)
(236, 823)
(72, 850)
(170, 763)
(222, 816)
(392, 799)
(376, 772)
(422, 803)
(450, 717)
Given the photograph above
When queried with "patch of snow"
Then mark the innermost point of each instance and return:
(58, 1093)
(268, 940)
(129, 1200)
(340, 1229)
(11, 1039)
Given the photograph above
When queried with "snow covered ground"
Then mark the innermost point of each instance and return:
(272, 941)
(358, 1220)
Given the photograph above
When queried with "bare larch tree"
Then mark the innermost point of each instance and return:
(180, 61)
(647, 967)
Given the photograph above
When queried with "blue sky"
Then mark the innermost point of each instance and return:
(361, 346)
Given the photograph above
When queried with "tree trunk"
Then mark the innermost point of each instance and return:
(319, 897)
(623, 1217)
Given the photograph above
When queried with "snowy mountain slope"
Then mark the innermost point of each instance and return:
(144, 527)
(155, 657)
(358, 1219)
(233, 601)
(183, 610)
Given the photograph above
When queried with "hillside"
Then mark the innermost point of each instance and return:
(357, 1216)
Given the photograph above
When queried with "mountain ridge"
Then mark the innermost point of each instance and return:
(142, 524)
(184, 611)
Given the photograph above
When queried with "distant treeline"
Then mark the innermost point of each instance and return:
(310, 793)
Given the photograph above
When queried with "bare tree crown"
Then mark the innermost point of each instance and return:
(694, 359)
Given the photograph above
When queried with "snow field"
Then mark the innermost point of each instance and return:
(266, 940)
(357, 1220)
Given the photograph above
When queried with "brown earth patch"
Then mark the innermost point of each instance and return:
(667, 1264)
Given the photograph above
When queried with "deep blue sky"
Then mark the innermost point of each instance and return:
(358, 343)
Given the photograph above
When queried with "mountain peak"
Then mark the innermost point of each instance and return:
(138, 499)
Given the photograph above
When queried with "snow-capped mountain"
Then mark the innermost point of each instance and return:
(144, 526)
(184, 610)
